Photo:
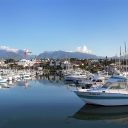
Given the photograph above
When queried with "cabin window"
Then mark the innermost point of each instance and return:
(98, 80)
(119, 86)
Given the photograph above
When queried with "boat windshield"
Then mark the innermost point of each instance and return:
(106, 85)
(119, 85)
(116, 85)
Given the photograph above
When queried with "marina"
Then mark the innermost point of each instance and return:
(63, 63)
(47, 101)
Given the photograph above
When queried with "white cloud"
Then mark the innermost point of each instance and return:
(83, 49)
(3, 47)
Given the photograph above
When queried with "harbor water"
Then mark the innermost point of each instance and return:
(50, 103)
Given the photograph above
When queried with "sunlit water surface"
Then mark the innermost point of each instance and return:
(52, 104)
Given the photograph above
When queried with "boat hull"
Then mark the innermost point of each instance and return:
(104, 99)
(3, 81)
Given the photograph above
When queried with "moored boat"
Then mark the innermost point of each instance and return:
(2, 80)
(110, 94)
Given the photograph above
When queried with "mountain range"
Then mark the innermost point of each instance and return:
(64, 54)
(7, 53)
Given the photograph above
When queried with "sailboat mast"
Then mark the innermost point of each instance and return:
(125, 55)
(120, 60)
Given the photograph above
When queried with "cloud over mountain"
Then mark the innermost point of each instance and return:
(10, 53)
(83, 49)
(81, 53)
(6, 48)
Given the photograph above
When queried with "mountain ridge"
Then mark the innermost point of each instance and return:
(63, 54)
(12, 53)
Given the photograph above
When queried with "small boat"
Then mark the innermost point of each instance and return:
(76, 75)
(26, 77)
(109, 94)
(2, 80)
(4, 85)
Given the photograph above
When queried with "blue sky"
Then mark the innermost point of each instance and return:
(48, 25)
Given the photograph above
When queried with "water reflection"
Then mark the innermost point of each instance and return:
(92, 112)
(39, 106)
(50, 77)
(24, 83)
(54, 80)
(45, 80)
(49, 104)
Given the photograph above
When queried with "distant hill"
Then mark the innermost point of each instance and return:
(9, 55)
(63, 54)
(19, 54)
(12, 53)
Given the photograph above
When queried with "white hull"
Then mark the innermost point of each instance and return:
(104, 99)
(3, 81)
(106, 102)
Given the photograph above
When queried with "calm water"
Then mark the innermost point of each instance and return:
(52, 104)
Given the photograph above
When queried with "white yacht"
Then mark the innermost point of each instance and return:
(26, 76)
(78, 75)
(3, 80)
(110, 94)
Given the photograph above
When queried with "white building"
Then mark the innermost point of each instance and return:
(52, 63)
(2, 63)
(26, 63)
(67, 65)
